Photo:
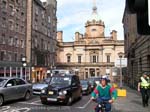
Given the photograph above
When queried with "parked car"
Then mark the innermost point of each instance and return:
(92, 82)
(86, 87)
(62, 88)
(37, 88)
(97, 80)
(14, 88)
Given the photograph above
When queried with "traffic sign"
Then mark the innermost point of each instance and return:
(123, 62)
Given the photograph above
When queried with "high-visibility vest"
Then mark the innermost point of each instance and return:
(144, 83)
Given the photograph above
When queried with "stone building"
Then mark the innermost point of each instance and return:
(12, 37)
(41, 36)
(92, 54)
(28, 31)
(137, 49)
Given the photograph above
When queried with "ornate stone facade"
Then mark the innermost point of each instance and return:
(92, 54)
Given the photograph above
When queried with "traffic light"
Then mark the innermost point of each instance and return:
(140, 7)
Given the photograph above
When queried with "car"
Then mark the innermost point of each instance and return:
(37, 88)
(13, 89)
(64, 88)
(92, 83)
(86, 87)
(97, 80)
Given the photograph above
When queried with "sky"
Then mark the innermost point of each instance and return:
(73, 14)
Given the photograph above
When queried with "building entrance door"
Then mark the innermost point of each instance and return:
(92, 72)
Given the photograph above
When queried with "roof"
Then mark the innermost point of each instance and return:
(95, 16)
(40, 3)
(63, 75)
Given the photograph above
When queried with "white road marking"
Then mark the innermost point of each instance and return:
(14, 109)
(31, 103)
(36, 101)
(5, 108)
(84, 106)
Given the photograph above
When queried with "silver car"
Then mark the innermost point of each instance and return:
(37, 88)
(14, 88)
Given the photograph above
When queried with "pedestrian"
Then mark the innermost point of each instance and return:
(143, 87)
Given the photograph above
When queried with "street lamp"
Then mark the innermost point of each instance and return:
(24, 65)
(120, 56)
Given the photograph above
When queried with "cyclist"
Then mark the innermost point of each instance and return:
(104, 92)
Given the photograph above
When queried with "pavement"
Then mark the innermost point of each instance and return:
(131, 103)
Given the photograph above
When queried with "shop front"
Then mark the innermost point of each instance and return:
(38, 74)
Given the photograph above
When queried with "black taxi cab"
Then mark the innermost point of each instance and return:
(62, 88)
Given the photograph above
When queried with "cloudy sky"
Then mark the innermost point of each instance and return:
(72, 15)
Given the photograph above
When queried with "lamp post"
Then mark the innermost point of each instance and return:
(120, 56)
(24, 66)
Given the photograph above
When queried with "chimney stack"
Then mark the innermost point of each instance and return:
(114, 34)
(60, 36)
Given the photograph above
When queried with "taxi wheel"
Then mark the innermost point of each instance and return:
(43, 102)
(27, 95)
(69, 101)
(80, 97)
(1, 100)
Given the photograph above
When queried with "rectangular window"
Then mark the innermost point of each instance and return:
(22, 43)
(94, 59)
(49, 19)
(68, 59)
(108, 58)
(11, 25)
(17, 27)
(98, 74)
(3, 38)
(4, 4)
(2, 55)
(42, 43)
(79, 59)
(15, 56)
(86, 73)
(10, 40)
(16, 42)
(3, 22)
(11, 8)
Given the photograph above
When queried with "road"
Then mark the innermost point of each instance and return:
(34, 105)
(130, 103)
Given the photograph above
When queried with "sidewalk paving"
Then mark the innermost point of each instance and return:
(131, 103)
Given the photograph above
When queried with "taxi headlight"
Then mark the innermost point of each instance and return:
(43, 91)
(64, 92)
(60, 93)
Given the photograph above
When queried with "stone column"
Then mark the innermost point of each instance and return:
(29, 73)
(10, 72)
(16, 71)
(20, 72)
(25, 75)
(88, 73)
(4, 71)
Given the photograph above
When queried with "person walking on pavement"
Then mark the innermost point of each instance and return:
(143, 87)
